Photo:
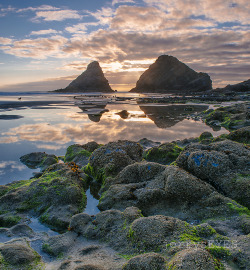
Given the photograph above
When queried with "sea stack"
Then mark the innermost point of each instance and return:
(168, 75)
(91, 80)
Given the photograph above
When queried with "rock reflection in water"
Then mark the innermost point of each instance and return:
(168, 116)
(163, 116)
(94, 111)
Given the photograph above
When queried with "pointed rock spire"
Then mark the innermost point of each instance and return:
(91, 80)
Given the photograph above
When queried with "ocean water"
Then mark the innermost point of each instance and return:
(49, 122)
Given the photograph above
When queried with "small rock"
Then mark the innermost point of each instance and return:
(148, 261)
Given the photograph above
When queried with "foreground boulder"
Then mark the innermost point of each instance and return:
(168, 73)
(224, 164)
(172, 191)
(241, 135)
(136, 237)
(199, 259)
(129, 232)
(146, 261)
(163, 154)
(80, 154)
(17, 254)
(56, 196)
(91, 80)
(111, 158)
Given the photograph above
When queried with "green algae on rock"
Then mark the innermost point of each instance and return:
(163, 154)
(56, 196)
(39, 160)
(231, 117)
(110, 159)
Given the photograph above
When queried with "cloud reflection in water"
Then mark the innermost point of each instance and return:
(106, 130)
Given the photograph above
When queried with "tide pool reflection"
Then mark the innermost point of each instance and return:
(53, 131)
(168, 116)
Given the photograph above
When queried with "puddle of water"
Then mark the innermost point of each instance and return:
(91, 207)
(4, 238)
(38, 227)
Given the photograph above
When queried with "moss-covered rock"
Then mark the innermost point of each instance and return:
(17, 254)
(56, 196)
(231, 117)
(111, 158)
(240, 252)
(78, 154)
(241, 135)
(39, 160)
(59, 244)
(148, 261)
(199, 259)
(224, 164)
(9, 219)
(163, 154)
(171, 191)
(130, 233)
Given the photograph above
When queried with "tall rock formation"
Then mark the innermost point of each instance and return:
(91, 80)
(168, 74)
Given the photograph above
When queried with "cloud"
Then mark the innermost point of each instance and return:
(151, 19)
(40, 48)
(80, 28)
(193, 31)
(207, 47)
(75, 65)
(110, 126)
(44, 32)
(42, 7)
(5, 41)
(56, 15)
(45, 85)
(138, 19)
(114, 2)
(104, 15)
(218, 10)
(49, 146)
(10, 139)
(5, 11)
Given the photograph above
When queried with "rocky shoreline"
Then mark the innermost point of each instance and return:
(176, 205)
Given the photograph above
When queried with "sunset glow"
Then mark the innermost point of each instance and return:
(43, 45)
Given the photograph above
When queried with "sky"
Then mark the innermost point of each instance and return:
(46, 44)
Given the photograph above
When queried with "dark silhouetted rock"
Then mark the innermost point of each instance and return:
(239, 87)
(91, 80)
(168, 73)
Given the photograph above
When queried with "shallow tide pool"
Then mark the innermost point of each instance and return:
(51, 122)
